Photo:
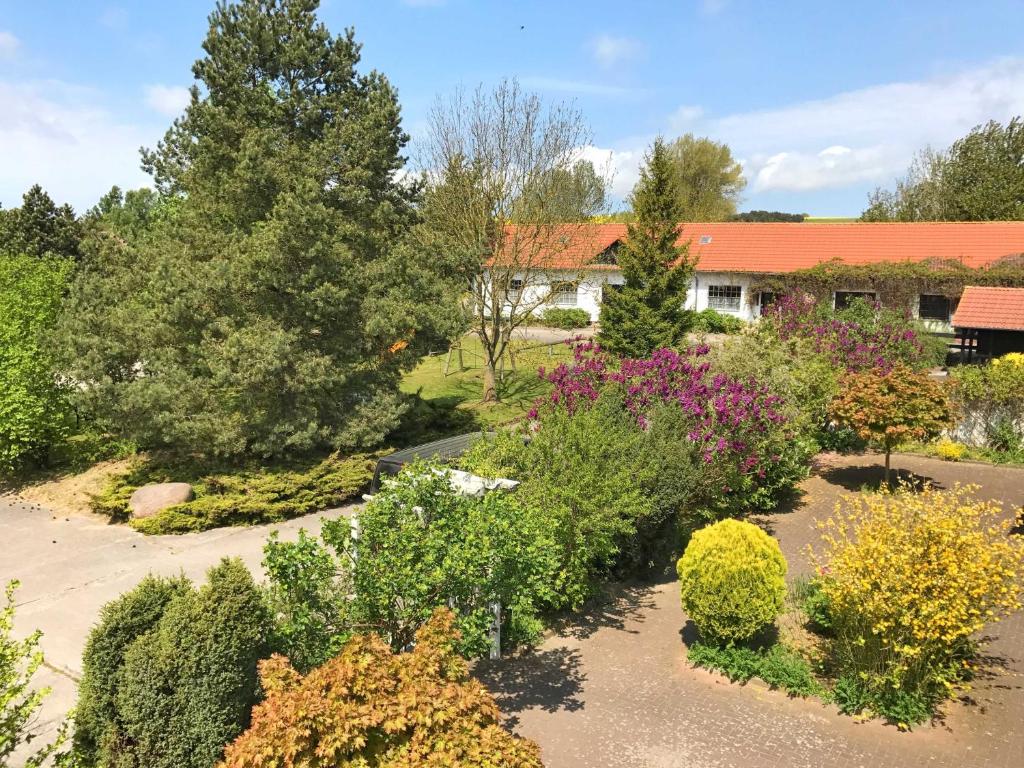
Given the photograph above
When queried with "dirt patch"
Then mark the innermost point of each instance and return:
(70, 494)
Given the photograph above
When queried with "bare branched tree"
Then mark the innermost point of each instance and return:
(506, 206)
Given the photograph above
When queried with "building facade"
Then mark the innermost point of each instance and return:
(732, 260)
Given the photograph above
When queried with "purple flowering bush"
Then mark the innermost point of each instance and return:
(737, 429)
(861, 337)
(625, 455)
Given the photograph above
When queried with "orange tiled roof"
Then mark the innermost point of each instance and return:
(990, 308)
(784, 247)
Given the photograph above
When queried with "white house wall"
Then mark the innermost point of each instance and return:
(588, 293)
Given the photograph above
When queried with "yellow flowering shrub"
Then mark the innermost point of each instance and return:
(950, 450)
(909, 579)
(732, 577)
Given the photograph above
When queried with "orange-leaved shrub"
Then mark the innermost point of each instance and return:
(893, 406)
(369, 707)
(909, 579)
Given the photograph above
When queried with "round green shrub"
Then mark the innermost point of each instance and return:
(732, 579)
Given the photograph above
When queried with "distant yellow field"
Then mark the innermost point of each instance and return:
(829, 219)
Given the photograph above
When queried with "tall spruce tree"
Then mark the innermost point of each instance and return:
(648, 312)
(276, 309)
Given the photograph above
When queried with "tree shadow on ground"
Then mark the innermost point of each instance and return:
(617, 606)
(872, 477)
(550, 680)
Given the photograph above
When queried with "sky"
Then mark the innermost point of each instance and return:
(820, 101)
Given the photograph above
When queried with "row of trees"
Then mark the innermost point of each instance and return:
(979, 178)
(287, 268)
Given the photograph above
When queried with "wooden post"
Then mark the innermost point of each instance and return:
(448, 362)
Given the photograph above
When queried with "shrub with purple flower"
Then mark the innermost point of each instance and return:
(738, 428)
(863, 336)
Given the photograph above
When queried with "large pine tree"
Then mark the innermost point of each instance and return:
(648, 312)
(276, 308)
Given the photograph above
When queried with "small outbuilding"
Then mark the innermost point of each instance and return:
(990, 321)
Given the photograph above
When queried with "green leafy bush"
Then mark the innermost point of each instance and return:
(239, 496)
(587, 476)
(174, 691)
(710, 321)
(419, 546)
(777, 665)
(34, 412)
(20, 659)
(309, 599)
(732, 579)
(566, 318)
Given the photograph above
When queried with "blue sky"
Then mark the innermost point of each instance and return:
(821, 101)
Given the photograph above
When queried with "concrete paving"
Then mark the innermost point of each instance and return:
(614, 688)
(69, 567)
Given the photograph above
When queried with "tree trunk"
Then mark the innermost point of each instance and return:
(888, 479)
(490, 388)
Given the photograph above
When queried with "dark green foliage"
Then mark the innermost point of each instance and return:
(776, 665)
(905, 708)
(588, 476)
(979, 178)
(186, 680)
(814, 603)
(710, 321)
(420, 546)
(34, 411)
(566, 318)
(648, 314)
(766, 216)
(39, 228)
(275, 310)
(240, 495)
(308, 599)
(122, 622)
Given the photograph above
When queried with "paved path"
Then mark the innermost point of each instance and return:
(615, 690)
(70, 566)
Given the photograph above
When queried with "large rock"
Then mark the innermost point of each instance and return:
(150, 499)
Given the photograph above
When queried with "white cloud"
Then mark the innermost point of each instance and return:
(610, 51)
(685, 117)
(621, 166)
(9, 45)
(168, 100)
(864, 136)
(578, 86)
(53, 134)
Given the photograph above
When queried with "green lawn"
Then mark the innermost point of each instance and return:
(463, 390)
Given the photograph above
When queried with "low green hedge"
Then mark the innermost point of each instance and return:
(243, 496)
(776, 665)
(568, 319)
(710, 321)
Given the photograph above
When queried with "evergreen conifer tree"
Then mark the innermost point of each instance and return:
(648, 312)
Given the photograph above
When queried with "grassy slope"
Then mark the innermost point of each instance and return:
(463, 389)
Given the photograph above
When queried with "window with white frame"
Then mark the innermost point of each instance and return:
(563, 294)
(515, 291)
(725, 297)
